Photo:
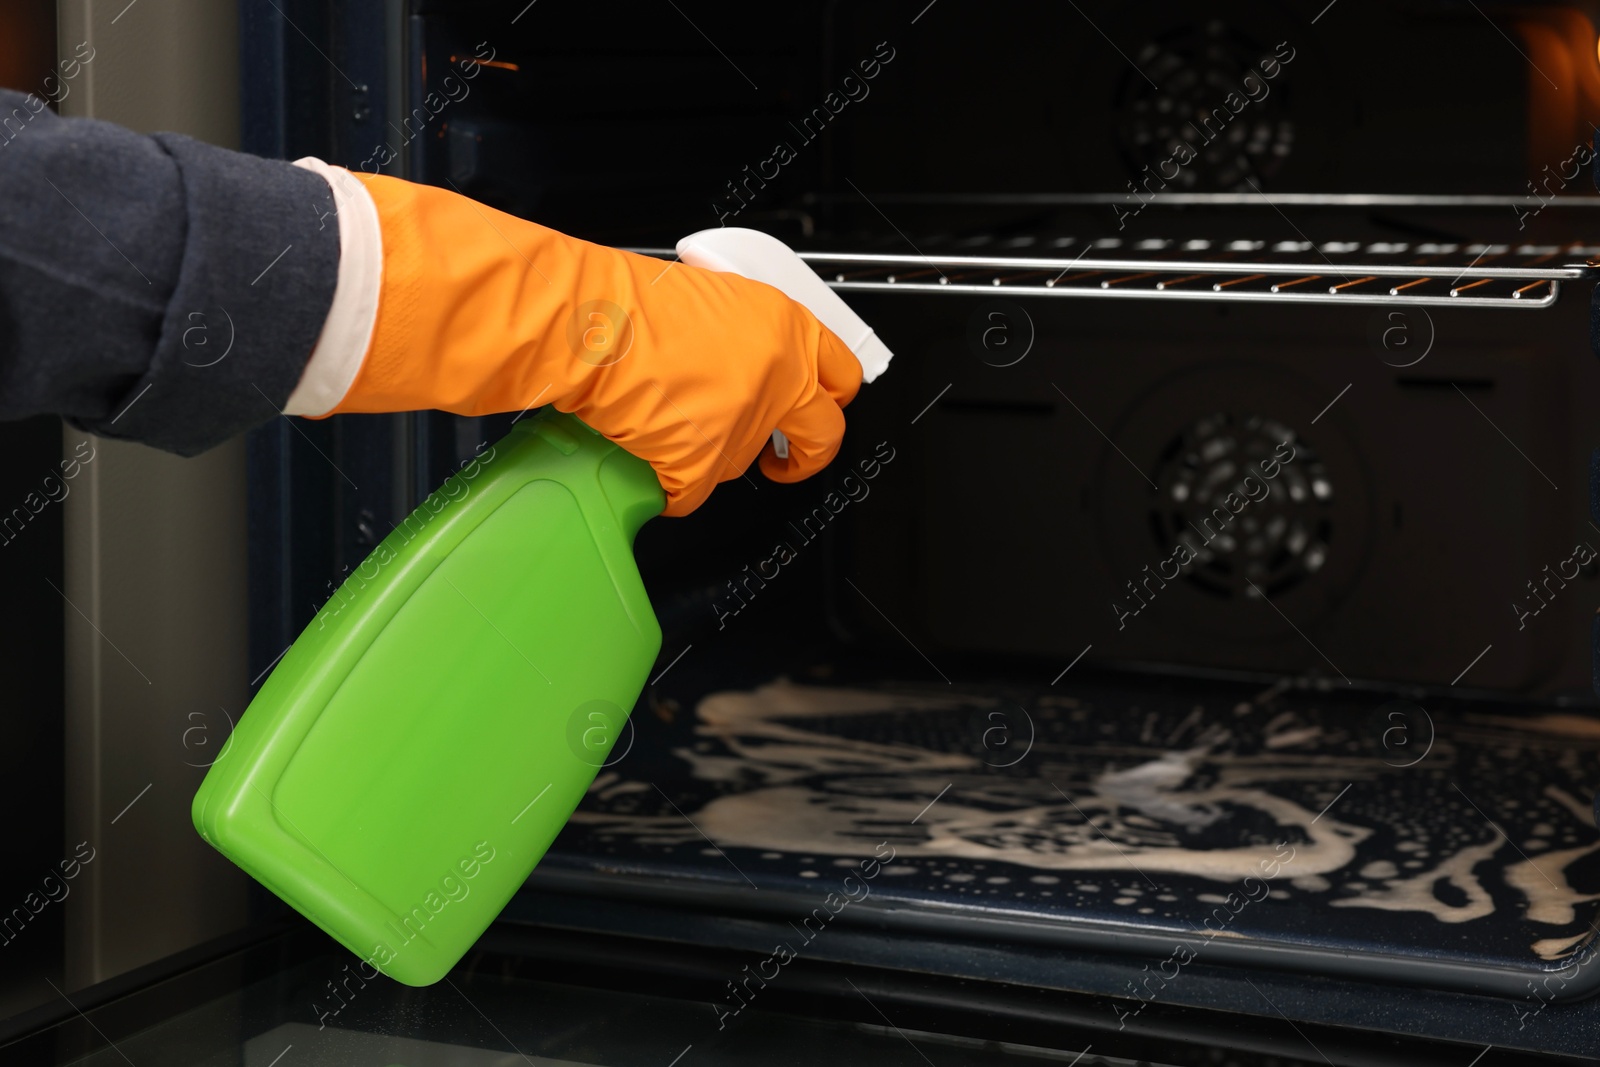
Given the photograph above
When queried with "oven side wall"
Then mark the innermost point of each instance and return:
(155, 556)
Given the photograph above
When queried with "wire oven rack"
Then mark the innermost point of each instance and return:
(1339, 272)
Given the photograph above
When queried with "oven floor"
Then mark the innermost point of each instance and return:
(1443, 844)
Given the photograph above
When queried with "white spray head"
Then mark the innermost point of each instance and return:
(764, 258)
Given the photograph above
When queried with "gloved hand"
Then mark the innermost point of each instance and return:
(688, 369)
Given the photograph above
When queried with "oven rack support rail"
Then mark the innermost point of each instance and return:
(1528, 277)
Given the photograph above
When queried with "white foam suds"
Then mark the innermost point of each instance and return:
(1543, 880)
(1290, 738)
(875, 789)
(1555, 948)
(1416, 893)
(1584, 813)
(800, 791)
(1561, 724)
(611, 792)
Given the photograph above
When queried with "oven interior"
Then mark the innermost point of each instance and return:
(1056, 450)
(1249, 519)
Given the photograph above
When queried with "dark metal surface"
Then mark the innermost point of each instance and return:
(316, 82)
(1301, 826)
(1398, 1025)
(545, 991)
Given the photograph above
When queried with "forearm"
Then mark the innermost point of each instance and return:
(154, 288)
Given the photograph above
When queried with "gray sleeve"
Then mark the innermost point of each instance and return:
(154, 288)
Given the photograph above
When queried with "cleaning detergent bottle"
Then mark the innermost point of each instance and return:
(417, 749)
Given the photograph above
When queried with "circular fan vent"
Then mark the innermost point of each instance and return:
(1196, 69)
(1251, 501)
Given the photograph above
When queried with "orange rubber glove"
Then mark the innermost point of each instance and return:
(688, 369)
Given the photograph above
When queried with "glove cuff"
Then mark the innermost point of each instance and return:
(347, 331)
(380, 382)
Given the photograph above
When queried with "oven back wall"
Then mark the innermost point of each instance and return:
(1389, 526)
(1401, 538)
(1405, 98)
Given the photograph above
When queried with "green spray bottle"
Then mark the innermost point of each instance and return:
(419, 746)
